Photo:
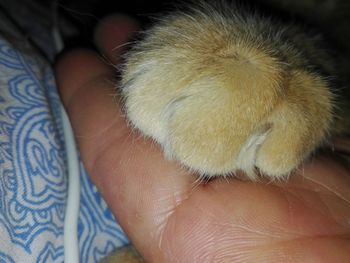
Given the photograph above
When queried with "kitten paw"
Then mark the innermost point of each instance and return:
(221, 95)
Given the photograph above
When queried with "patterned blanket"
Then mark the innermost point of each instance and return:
(33, 176)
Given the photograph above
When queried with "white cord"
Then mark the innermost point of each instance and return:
(71, 242)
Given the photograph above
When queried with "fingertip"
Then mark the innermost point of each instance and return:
(76, 67)
(113, 32)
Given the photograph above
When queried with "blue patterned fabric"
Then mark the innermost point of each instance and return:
(33, 176)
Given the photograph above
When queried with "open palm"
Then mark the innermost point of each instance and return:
(166, 213)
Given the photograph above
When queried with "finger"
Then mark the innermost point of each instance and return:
(85, 85)
(139, 186)
(112, 39)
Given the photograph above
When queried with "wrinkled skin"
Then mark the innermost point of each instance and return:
(166, 213)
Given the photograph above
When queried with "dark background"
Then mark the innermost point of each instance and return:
(331, 17)
(84, 14)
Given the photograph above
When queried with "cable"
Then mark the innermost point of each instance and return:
(71, 242)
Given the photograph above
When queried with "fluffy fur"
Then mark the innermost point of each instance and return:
(223, 89)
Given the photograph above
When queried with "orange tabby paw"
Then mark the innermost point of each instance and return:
(223, 93)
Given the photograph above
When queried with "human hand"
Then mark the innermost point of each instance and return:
(171, 218)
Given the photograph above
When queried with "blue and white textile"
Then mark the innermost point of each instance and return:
(33, 176)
